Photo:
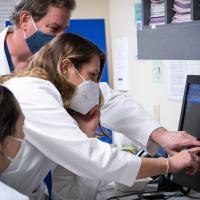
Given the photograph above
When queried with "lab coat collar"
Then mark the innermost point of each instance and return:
(4, 68)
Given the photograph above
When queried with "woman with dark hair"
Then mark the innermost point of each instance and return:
(11, 138)
(64, 75)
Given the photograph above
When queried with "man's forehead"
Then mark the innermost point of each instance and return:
(59, 12)
(58, 17)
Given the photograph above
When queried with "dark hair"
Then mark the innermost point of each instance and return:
(9, 113)
(39, 8)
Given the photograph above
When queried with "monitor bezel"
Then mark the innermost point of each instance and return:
(191, 79)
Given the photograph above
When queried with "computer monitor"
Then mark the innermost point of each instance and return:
(190, 121)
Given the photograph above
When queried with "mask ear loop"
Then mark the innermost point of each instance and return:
(75, 70)
(16, 139)
(25, 37)
(8, 157)
(78, 73)
(34, 23)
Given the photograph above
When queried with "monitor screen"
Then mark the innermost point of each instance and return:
(190, 121)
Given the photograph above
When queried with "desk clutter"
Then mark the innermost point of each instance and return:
(160, 187)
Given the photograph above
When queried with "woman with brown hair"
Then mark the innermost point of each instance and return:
(64, 74)
(11, 139)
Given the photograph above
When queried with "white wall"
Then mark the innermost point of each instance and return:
(141, 86)
(6, 7)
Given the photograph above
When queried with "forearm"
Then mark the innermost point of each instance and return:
(156, 135)
(152, 167)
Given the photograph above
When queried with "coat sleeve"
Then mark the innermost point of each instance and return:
(9, 193)
(122, 114)
(53, 132)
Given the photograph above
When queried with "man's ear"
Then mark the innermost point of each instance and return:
(65, 66)
(24, 20)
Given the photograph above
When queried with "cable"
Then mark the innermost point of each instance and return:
(130, 194)
(181, 195)
(192, 197)
(174, 195)
(167, 196)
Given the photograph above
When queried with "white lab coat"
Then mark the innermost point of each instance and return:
(119, 112)
(53, 137)
(7, 193)
(133, 121)
(4, 68)
(69, 186)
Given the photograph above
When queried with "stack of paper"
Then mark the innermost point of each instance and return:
(183, 11)
(157, 12)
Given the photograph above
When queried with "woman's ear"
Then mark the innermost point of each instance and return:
(65, 66)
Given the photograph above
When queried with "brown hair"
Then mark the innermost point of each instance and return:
(46, 62)
(10, 113)
(39, 8)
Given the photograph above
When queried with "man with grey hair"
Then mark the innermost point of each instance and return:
(35, 23)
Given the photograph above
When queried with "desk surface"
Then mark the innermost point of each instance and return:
(111, 191)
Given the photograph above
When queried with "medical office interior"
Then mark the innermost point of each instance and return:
(157, 83)
(120, 24)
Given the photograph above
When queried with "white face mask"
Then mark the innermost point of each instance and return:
(86, 96)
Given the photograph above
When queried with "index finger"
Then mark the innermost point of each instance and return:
(194, 150)
(188, 135)
(191, 143)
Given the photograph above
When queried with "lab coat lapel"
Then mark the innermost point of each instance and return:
(4, 67)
